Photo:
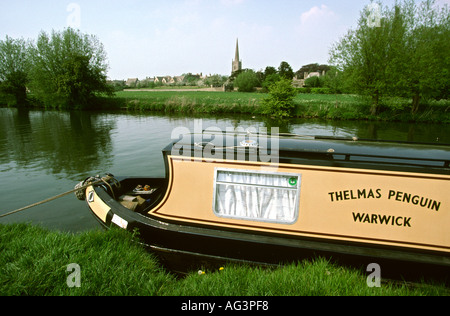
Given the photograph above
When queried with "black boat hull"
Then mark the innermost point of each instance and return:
(184, 248)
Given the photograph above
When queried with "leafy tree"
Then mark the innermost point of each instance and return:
(69, 69)
(14, 68)
(406, 55)
(421, 61)
(79, 82)
(363, 55)
(236, 74)
(270, 80)
(191, 79)
(285, 71)
(216, 80)
(311, 68)
(280, 102)
(270, 71)
(333, 81)
(246, 81)
(313, 82)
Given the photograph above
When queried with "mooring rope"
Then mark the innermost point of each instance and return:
(77, 188)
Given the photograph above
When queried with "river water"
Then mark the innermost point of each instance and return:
(45, 153)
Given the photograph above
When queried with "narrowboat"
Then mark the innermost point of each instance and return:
(272, 199)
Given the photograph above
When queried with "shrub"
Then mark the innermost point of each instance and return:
(270, 80)
(303, 90)
(229, 87)
(247, 81)
(313, 82)
(320, 91)
(280, 102)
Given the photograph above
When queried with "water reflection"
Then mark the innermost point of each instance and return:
(45, 153)
(410, 132)
(66, 144)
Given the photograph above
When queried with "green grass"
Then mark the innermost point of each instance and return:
(191, 101)
(333, 107)
(33, 261)
(323, 106)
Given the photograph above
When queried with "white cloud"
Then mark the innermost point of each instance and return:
(316, 30)
(316, 15)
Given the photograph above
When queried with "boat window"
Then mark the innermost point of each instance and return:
(257, 196)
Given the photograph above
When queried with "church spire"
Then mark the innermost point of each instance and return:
(237, 63)
(236, 57)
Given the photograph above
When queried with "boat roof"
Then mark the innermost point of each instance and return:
(317, 150)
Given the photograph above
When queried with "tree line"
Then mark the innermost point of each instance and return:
(398, 51)
(401, 51)
(64, 69)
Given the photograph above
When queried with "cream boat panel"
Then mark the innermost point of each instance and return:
(97, 205)
(371, 206)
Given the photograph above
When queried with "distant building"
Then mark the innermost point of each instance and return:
(178, 79)
(132, 82)
(237, 63)
(300, 83)
(164, 80)
(313, 74)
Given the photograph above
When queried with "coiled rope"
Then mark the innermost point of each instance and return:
(78, 190)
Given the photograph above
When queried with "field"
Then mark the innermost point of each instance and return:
(335, 107)
(37, 262)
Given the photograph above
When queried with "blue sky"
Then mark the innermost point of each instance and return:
(172, 37)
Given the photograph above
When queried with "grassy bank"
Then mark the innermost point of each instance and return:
(335, 107)
(191, 102)
(34, 261)
(322, 106)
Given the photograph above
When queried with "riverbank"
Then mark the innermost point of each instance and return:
(323, 106)
(35, 261)
(307, 105)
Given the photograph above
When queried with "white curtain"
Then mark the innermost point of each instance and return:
(256, 196)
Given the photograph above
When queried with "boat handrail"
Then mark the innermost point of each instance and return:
(348, 157)
(323, 137)
(337, 153)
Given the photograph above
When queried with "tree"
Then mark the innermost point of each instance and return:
(270, 80)
(216, 80)
(246, 81)
(405, 55)
(69, 69)
(14, 68)
(280, 102)
(79, 82)
(311, 68)
(269, 71)
(313, 82)
(191, 79)
(285, 71)
(362, 54)
(421, 62)
(333, 81)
